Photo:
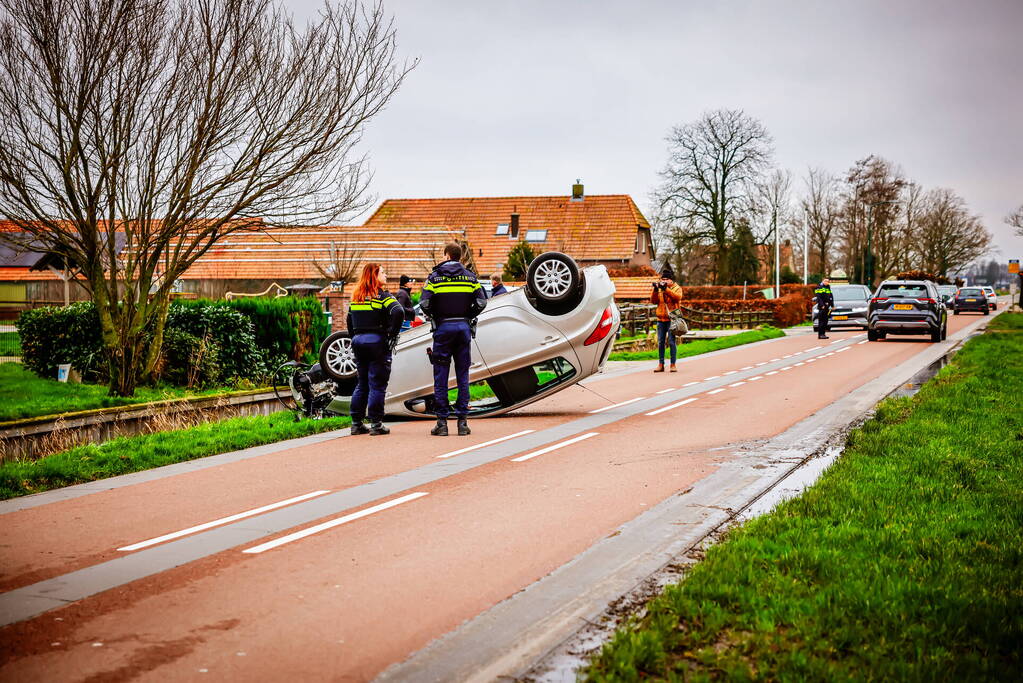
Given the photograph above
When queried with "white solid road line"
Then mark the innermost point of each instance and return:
(737, 384)
(523, 458)
(222, 520)
(664, 391)
(488, 443)
(333, 523)
(618, 405)
(673, 405)
(716, 391)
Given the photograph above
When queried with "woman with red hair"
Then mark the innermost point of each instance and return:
(374, 321)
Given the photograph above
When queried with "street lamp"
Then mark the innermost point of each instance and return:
(868, 266)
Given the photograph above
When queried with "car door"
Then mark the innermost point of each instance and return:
(511, 337)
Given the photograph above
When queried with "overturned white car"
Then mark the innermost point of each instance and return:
(529, 344)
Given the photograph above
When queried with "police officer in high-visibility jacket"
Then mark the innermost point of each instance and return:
(374, 321)
(452, 298)
(825, 302)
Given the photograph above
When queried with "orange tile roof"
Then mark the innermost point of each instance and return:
(597, 228)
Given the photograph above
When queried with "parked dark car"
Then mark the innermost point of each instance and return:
(907, 307)
(850, 307)
(970, 299)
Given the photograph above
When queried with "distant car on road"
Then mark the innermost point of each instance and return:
(970, 299)
(907, 307)
(992, 298)
(531, 343)
(850, 307)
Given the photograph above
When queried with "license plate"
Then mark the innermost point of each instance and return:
(903, 307)
(972, 301)
(839, 317)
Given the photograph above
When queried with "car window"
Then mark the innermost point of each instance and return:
(970, 291)
(849, 293)
(893, 291)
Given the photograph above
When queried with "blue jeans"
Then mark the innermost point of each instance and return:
(664, 333)
(451, 341)
(373, 360)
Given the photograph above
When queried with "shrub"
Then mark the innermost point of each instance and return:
(230, 331)
(788, 310)
(632, 271)
(52, 335)
(519, 258)
(188, 361)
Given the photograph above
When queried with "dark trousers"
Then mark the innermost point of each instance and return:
(373, 360)
(823, 317)
(451, 341)
(664, 334)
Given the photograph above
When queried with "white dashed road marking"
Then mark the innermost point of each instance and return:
(736, 384)
(488, 443)
(716, 391)
(618, 405)
(523, 458)
(670, 407)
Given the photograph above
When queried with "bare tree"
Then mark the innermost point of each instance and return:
(342, 262)
(947, 236)
(138, 133)
(772, 213)
(1015, 220)
(713, 165)
(870, 212)
(820, 208)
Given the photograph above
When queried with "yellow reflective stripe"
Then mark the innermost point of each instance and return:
(449, 287)
(362, 306)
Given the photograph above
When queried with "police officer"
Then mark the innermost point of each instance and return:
(374, 321)
(452, 298)
(825, 302)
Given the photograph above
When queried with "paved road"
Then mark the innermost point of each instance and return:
(340, 557)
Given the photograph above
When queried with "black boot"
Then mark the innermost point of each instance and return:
(377, 429)
(359, 428)
(441, 428)
(463, 427)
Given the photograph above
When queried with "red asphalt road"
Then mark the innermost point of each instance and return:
(345, 603)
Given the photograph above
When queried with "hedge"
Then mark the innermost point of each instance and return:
(789, 310)
(52, 335)
(735, 291)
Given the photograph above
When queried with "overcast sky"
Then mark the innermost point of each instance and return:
(522, 97)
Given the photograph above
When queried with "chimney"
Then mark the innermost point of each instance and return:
(577, 191)
(513, 227)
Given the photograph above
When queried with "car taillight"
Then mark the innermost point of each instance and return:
(927, 301)
(603, 328)
(878, 300)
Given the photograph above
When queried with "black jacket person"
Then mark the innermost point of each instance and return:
(452, 298)
(825, 302)
(374, 321)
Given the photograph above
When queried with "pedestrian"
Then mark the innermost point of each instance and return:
(404, 297)
(452, 298)
(667, 295)
(497, 287)
(374, 321)
(825, 302)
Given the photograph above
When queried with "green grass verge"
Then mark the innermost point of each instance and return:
(10, 344)
(903, 562)
(24, 394)
(695, 348)
(143, 452)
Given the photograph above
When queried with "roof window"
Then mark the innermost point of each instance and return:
(536, 235)
(502, 229)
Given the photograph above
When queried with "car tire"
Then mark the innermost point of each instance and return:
(944, 332)
(882, 335)
(986, 312)
(872, 335)
(936, 335)
(337, 360)
(955, 311)
(554, 283)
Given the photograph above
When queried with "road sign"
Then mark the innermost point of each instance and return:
(1014, 265)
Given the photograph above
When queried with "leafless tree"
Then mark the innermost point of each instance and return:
(870, 208)
(820, 209)
(342, 262)
(1015, 220)
(772, 213)
(713, 165)
(947, 236)
(138, 133)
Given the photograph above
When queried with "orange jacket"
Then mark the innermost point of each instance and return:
(666, 300)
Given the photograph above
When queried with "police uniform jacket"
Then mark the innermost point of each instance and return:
(452, 292)
(382, 314)
(823, 296)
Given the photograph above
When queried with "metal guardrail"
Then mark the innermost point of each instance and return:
(642, 318)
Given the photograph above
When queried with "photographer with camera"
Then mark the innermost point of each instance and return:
(667, 295)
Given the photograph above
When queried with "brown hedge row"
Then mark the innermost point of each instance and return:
(788, 310)
(735, 292)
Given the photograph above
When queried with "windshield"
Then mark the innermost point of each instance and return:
(903, 291)
(970, 291)
(849, 293)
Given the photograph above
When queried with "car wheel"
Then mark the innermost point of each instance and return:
(944, 332)
(871, 335)
(955, 311)
(882, 335)
(554, 283)
(337, 359)
(986, 311)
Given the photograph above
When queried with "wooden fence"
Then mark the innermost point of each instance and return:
(640, 318)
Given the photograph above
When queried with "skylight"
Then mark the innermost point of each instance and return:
(536, 235)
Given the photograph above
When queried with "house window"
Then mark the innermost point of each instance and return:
(536, 235)
(502, 229)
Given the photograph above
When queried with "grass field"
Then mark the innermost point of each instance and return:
(10, 344)
(695, 348)
(136, 453)
(25, 394)
(903, 562)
